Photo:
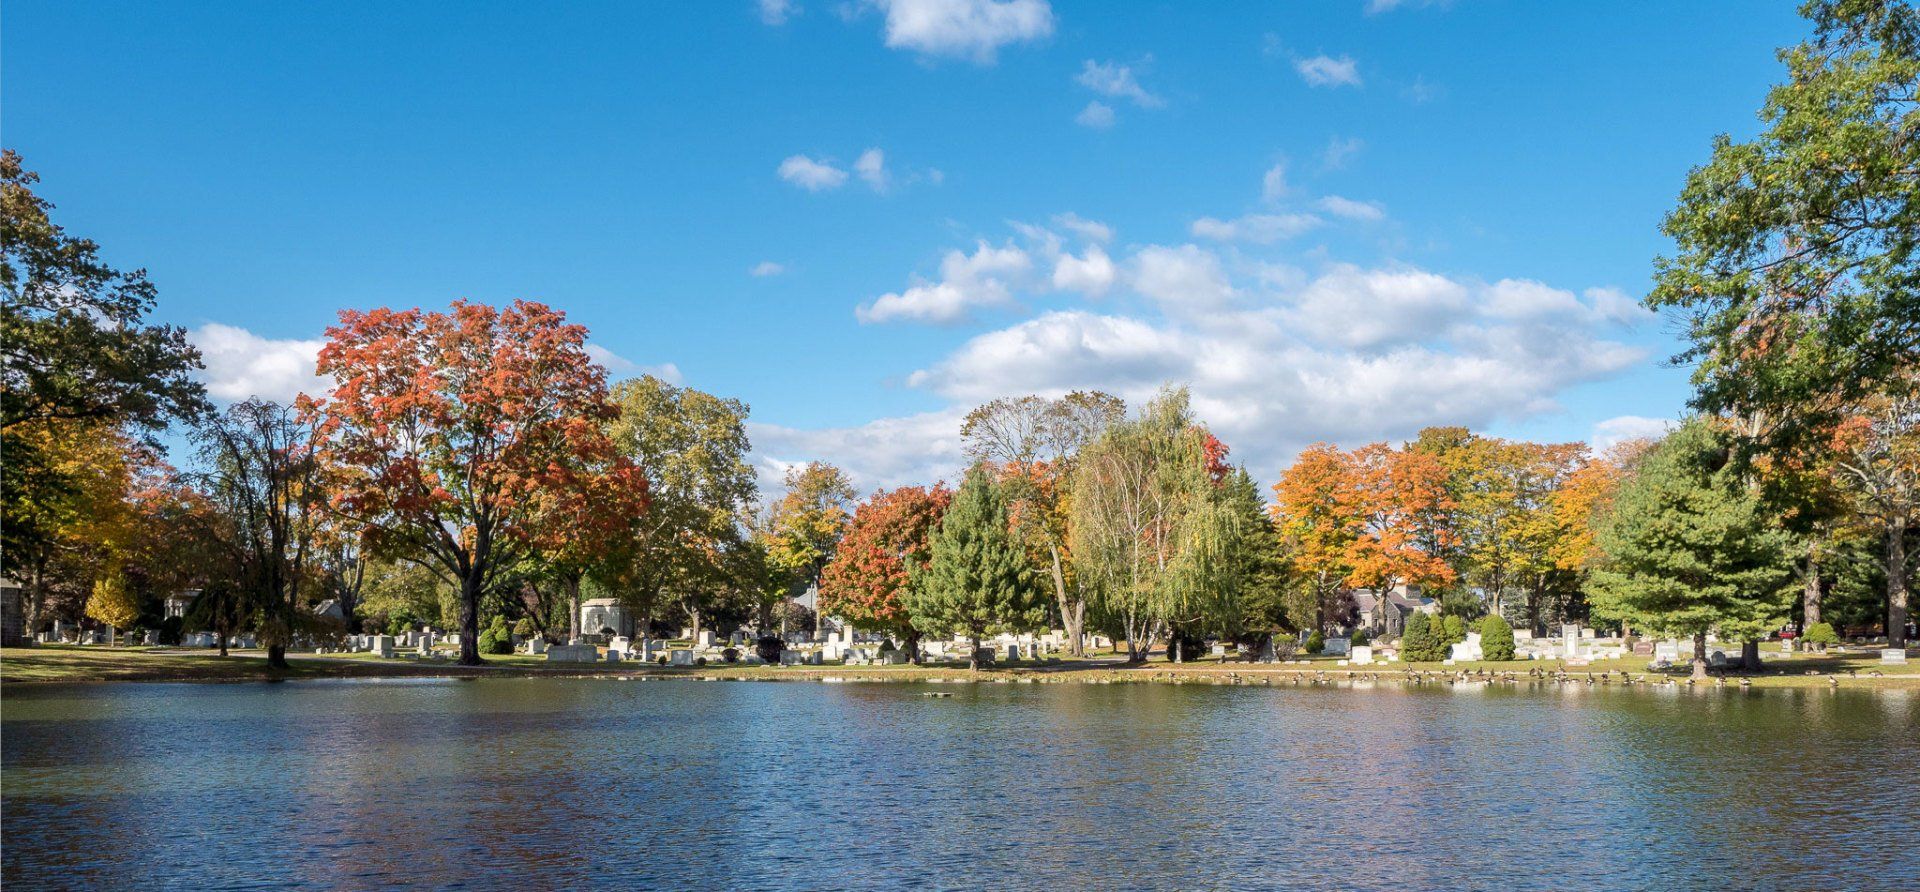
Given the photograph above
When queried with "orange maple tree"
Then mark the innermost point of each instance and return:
(866, 582)
(456, 434)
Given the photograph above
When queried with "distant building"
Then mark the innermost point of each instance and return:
(178, 603)
(13, 627)
(605, 616)
(1387, 614)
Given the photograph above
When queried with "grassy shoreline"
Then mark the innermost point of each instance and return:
(63, 664)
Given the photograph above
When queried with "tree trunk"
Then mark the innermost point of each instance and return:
(1897, 583)
(1750, 656)
(973, 655)
(573, 608)
(913, 646)
(276, 655)
(1810, 589)
(222, 638)
(1072, 615)
(36, 597)
(1700, 655)
(470, 619)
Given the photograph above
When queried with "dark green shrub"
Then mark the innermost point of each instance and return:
(1316, 642)
(1821, 635)
(769, 647)
(699, 661)
(730, 655)
(1453, 631)
(1496, 638)
(1360, 638)
(1417, 644)
(496, 639)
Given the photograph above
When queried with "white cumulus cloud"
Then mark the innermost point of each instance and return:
(1097, 115)
(965, 29)
(1116, 80)
(1621, 428)
(967, 282)
(1327, 71)
(1260, 229)
(1364, 211)
(777, 12)
(811, 175)
(242, 365)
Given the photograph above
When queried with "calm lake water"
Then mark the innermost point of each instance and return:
(551, 783)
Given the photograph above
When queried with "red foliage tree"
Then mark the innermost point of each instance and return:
(866, 582)
(455, 434)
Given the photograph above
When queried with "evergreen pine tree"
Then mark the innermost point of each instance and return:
(977, 580)
(1689, 549)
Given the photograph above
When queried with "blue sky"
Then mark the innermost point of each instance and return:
(1338, 220)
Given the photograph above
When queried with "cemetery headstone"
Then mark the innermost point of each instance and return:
(573, 653)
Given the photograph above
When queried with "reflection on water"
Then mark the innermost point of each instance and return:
(548, 783)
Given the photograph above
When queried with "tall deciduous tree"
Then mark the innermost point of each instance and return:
(1153, 534)
(73, 330)
(1795, 261)
(867, 581)
(807, 522)
(692, 449)
(1879, 460)
(450, 427)
(1689, 548)
(263, 479)
(1403, 504)
(1318, 517)
(976, 579)
(1035, 440)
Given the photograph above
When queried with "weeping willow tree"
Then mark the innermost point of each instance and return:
(1156, 539)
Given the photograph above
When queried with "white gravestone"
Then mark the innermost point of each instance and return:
(1893, 656)
(1363, 654)
(680, 658)
(382, 645)
(573, 653)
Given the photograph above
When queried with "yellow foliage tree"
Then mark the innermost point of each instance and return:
(113, 603)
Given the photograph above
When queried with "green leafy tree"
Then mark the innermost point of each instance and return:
(1496, 637)
(805, 526)
(978, 580)
(1156, 540)
(1688, 549)
(76, 343)
(1795, 257)
(692, 447)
